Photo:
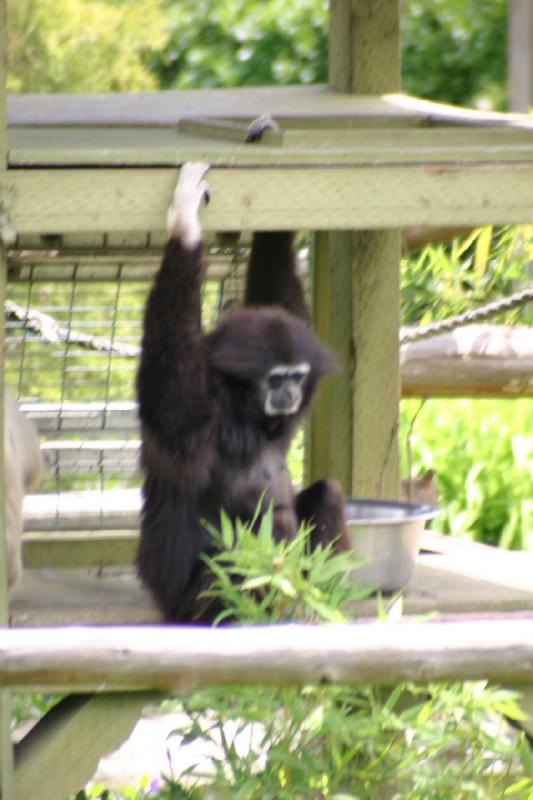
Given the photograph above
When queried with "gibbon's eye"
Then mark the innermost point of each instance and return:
(276, 381)
(299, 377)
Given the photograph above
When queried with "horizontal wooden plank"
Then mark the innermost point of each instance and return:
(88, 549)
(290, 105)
(109, 456)
(471, 361)
(98, 416)
(115, 509)
(178, 658)
(451, 578)
(39, 147)
(41, 266)
(308, 197)
(287, 104)
(53, 597)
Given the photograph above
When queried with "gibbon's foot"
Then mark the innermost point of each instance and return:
(191, 190)
(257, 128)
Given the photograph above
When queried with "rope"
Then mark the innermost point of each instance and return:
(467, 318)
(51, 331)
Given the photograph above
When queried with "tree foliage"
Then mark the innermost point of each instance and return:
(455, 50)
(90, 46)
(215, 43)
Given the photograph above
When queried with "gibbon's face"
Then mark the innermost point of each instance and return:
(282, 389)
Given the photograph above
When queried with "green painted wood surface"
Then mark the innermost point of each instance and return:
(330, 442)
(6, 750)
(361, 285)
(321, 198)
(376, 396)
(71, 550)
(61, 753)
(37, 147)
(375, 46)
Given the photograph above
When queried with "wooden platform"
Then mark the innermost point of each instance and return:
(435, 164)
(452, 579)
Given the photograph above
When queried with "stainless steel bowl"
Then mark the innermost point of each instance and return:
(386, 536)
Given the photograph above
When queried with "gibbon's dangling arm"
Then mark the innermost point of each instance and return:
(272, 278)
(172, 381)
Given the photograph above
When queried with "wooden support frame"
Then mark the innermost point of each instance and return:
(338, 198)
(72, 737)
(366, 276)
(7, 790)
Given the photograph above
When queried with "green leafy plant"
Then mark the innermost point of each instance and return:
(455, 50)
(259, 580)
(487, 264)
(482, 454)
(336, 742)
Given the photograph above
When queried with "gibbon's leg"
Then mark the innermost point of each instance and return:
(272, 277)
(322, 504)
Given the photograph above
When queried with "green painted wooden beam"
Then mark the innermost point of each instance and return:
(60, 754)
(319, 198)
(78, 549)
(364, 53)
(70, 146)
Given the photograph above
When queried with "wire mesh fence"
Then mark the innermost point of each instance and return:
(74, 318)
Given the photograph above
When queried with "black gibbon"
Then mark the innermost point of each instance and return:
(23, 468)
(218, 410)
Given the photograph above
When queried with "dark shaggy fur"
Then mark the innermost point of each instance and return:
(207, 443)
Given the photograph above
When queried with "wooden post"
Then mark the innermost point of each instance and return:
(520, 55)
(330, 442)
(364, 58)
(6, 749)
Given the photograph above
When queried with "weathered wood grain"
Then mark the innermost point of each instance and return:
(473, 361)
(69, 146)
(174, 658)
(73, 736)
(320, 198)
(300, 106)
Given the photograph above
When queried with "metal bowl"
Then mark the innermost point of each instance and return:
(386, 537)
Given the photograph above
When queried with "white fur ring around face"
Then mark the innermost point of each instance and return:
(191, 190)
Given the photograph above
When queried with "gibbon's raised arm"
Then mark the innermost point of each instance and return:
(272, 278)
(172, 383)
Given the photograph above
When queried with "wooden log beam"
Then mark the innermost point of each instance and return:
(187, 658)
(472, 361)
